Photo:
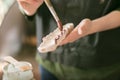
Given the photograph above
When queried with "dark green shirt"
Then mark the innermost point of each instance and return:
(92, 56)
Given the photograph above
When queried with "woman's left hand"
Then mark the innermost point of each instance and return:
(82, 29)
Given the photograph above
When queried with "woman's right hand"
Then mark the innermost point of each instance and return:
(30, 6)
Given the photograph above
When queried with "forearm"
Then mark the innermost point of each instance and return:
(86, 26)
(110, 21)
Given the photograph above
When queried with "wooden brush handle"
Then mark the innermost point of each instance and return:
(50, 7)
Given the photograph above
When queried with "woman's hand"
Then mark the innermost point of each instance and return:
(30, 6)
(82, 29)
(86, 26)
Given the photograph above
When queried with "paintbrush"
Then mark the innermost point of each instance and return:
(50, 7)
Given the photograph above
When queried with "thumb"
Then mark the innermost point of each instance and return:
(84, 26)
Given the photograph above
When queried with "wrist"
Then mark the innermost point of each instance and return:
(25, 12)
(29, 13)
